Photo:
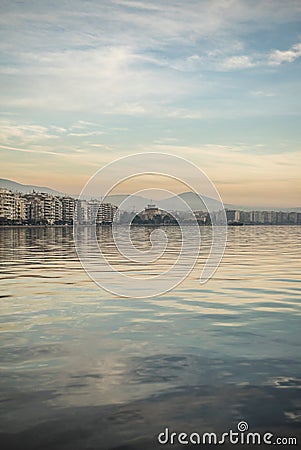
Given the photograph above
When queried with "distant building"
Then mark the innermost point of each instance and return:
(93, 206)
(19, 209)
(106, 213)
(293, 218)
(12, 207)
(272, 217)
(152, 215)
(81, 212)
(263, 217)
(42, 208)
(7, 202)
(245, 217)
(34, 208)
(68, 208)
(202, 217)
(150, 212)
(283, 218)
(230, 213)
(47, 209)
(93, 211)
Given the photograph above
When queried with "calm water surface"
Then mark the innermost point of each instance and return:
(81, 369)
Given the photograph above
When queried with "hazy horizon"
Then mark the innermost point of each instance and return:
(163, 196)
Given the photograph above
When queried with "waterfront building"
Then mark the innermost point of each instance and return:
(282, 218)
(19, 209)
(68, 208)
(100, 213)
(293, 218)
(201, 217)
(230, 213)
(34, 208)
(48, 208)
(106, 213)
(58, 210)
(153, 215)
(272, 217)
(149, 212)
(44, 208)
(245, 217)
(6, 205)
(93, 206)
(81, 212)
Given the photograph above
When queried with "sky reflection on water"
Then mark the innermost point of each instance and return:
(83, 369)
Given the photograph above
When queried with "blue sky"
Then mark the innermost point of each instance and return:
(218, 82)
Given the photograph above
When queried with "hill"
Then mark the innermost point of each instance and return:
(26, 188)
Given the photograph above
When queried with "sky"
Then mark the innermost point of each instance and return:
(214, 81)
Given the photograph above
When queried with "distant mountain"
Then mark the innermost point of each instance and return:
(195, 202)
(137, 203)
(26, 188)
(266, 208)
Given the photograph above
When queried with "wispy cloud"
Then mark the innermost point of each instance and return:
(237, 62)
(260, 93)
(86, 134)
(26, 133)
(82, 124)
(42, 151)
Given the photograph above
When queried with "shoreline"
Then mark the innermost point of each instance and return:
(152, 225)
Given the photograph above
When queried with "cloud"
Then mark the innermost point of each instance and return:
(273, 58)
(113, 80)
(237, 62)
(278, 57)
(166, 140)
(260, 93)
(82, 124)
(57, 129)
(88, 133)
(182, 113)
(131, 58)
(155, 21)
(42, 151)
(26, 133)
(149, 66)
(35, 138)
(92, 144)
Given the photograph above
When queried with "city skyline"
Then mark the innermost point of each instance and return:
(46, 208)
(19, 188)
(215, 82)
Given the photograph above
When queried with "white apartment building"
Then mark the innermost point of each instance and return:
(68, 208)
(43, 208)
(6, 204)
